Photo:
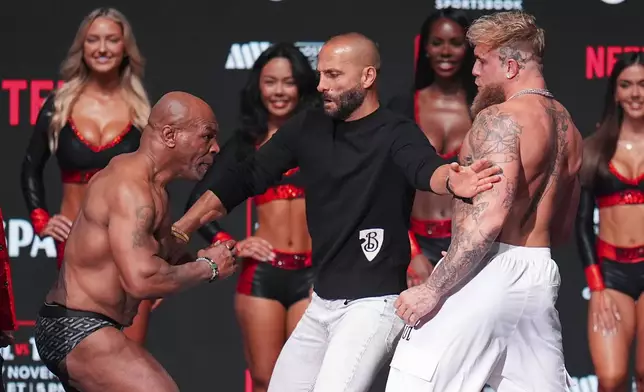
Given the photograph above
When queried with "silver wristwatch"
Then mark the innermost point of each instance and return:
(213, 266)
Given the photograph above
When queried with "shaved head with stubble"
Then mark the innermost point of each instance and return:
(348, 65)
(181, 133)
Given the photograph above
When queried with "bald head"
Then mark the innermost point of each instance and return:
(348, 65)
(181, 132)
(180, 110)
(355, 48)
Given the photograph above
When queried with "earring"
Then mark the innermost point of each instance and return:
(507, 76)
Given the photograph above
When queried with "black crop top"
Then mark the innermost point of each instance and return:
(77, 159)
(607, 191)
(235, 151)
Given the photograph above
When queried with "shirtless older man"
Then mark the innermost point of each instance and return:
(121, 250)
(487, 312)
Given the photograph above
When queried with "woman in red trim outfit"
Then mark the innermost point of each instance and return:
(7, 306)
(274, 286)
(613, 181)
(97, 114)
(443, 90)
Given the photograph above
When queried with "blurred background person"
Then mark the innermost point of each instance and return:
(439, 103)
(274, 285)
(7, 305)
(613, 181)
(96, 115)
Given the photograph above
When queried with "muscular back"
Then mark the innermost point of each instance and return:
(539, 148)
(89, 278)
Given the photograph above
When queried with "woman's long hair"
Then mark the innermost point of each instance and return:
(76, 74)
(254, 115)
(600, 147)
(424, 74)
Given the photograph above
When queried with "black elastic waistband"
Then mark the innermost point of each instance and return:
(54, 310)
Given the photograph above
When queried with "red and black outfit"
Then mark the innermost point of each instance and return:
(429, 237)
(78, 161)
(7, 305)
(606, 265)
(287, 279)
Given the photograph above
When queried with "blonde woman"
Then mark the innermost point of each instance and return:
(97, 114)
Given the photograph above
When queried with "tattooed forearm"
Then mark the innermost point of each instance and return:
(142, 229)
(494, 136)
(472, 238)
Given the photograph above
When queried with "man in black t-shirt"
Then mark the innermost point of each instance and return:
(361, 165)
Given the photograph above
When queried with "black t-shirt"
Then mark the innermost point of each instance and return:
(360, 179)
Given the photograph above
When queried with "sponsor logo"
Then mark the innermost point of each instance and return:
(24, 371)
(371, 242)
(21, 239)
(37, 90)
(601, 59)
(244, 55)
(496, 5)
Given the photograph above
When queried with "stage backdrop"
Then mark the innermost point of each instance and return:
(206, 48)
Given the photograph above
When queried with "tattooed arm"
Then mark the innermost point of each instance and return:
(494, 136)
(144, 274)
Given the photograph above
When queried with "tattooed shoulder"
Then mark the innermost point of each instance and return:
(144, 225)
(495, 136)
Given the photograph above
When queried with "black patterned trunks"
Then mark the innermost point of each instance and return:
(60, 329)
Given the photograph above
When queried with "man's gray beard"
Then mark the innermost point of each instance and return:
(486, 97)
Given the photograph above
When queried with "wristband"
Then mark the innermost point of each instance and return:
(213, 266)
(222, 236)
(179, 234)
(415, 247)
(454, 195)
(449, 188)
(39, 219)
(594, 278)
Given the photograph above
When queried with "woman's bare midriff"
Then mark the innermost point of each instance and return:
(283, 224)
(73, 195)
(622, 226)
(430, 206)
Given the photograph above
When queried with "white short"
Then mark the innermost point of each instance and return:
(500, 328)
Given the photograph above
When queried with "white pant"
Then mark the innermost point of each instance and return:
(338, 346)
(500, 328)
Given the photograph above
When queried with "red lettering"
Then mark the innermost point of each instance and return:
(601, 60)
(612, 52)
(36, 99)
(632, 49)
(14, 87)
(22, 349)
(595, 62)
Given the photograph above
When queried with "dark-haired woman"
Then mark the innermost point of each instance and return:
(613, 181)
(274, 286)
(443, 90)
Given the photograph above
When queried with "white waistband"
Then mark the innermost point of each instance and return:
(531, 251)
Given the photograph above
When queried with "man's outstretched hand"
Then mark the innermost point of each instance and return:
(223, 254)
(469, 181)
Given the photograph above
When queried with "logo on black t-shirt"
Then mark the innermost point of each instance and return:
(371, 242)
